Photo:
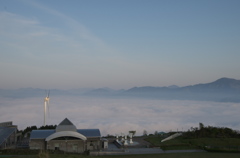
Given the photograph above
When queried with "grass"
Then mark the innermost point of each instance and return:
(174, 144)
(180, 143)
(170, 155)
(179, 155)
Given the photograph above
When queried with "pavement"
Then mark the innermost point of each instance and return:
(113, 150)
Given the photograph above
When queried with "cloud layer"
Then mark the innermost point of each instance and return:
(113, 116)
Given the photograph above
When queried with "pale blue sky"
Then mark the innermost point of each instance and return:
(117, 43)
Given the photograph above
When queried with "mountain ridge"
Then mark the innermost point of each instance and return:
(223, 89)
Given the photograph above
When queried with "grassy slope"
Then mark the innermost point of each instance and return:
(171, 155)
(182, 143)
(179, 155)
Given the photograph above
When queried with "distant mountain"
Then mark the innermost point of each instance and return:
(220, 85)
(173, 86)
(22, 92)
(223, 84)
(224, 89)
(99, 92)
(147, 89)
(221, 90)
(37, 92)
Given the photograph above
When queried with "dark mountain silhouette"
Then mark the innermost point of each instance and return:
(224, 90)
(99, 92)
(220, 85)
(173, 86)
(221, 90)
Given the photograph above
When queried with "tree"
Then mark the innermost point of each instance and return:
(48, 127)
(145, 133)
(212, 132)
(201, 126)
(28, 129)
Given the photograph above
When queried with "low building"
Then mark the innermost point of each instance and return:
(66, 137)
(8, 135)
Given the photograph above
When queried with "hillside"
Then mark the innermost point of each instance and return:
(223, 90)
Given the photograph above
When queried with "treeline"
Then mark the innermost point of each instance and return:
(211, 132)
(30, 128)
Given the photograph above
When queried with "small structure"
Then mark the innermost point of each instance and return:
(122, 140)
(67, 138)
(161, 133)
(130, 136)
(8, 135)
(125, 140)
(105, 143)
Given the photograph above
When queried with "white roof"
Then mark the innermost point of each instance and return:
(66, 134)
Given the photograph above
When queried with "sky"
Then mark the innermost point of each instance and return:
(117, 44)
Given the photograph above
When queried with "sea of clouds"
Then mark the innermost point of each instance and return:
(118, 115)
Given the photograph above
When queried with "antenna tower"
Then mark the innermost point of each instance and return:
(46, 106)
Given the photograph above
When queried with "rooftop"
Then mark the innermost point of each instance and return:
(5, 132)
(43, 134)
(66, 121)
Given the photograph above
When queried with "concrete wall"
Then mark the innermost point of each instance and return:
(6, 124)
(37, 144)
(94, 144)
(73, 146)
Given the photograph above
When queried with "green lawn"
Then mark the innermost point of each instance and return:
(179, 155)
(196, 143)
(174, 144)
(170, 155)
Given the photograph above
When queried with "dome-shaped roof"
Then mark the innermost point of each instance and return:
(66, 134)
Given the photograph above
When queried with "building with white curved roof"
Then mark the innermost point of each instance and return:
(66, 137)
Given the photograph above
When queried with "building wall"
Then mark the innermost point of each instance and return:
(37, 144)
(94, 144)
(11, 140)
(73, 146)
(5, 124)
(105, 144)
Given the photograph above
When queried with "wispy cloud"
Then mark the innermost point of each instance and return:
(113, 116)
(76, 29)
(32, 48)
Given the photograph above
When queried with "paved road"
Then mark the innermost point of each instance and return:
(112, 146)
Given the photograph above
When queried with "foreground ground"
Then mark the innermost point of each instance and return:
(181, 143)
(169, 155)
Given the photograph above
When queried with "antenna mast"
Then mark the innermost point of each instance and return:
(46, 104)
